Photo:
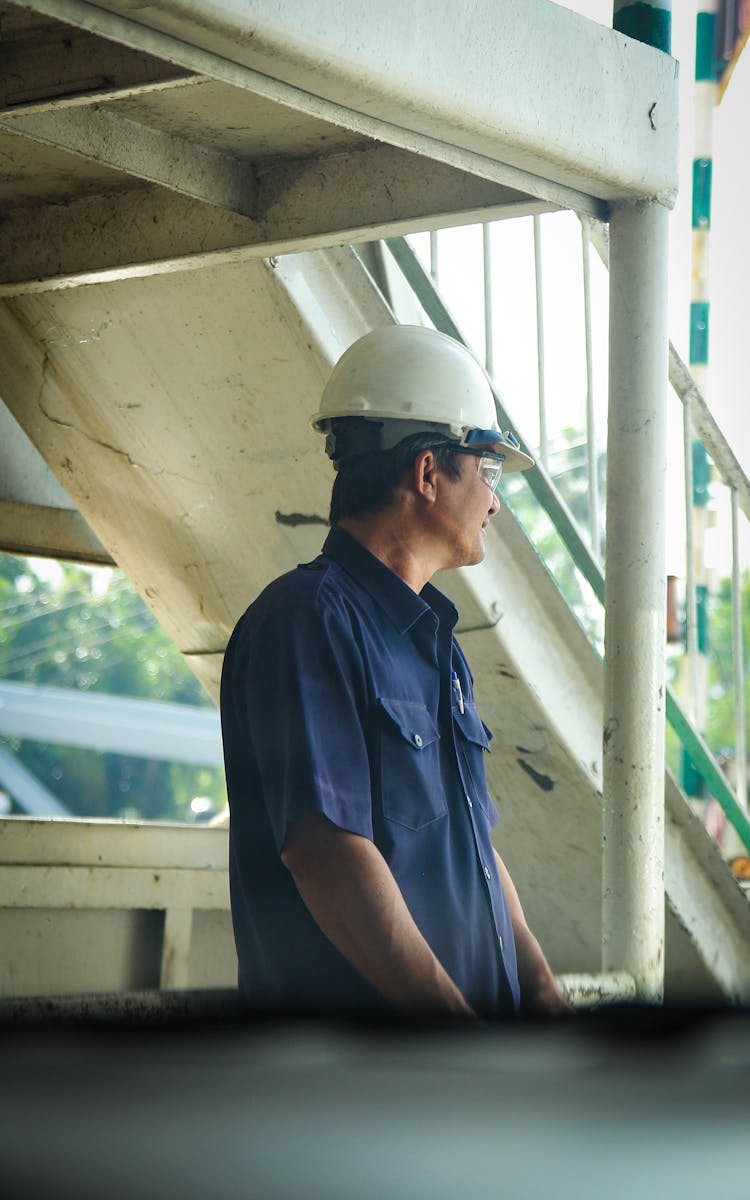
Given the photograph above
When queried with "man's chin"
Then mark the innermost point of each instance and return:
(469, 556)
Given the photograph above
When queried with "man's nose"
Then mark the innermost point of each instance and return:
(495, 504)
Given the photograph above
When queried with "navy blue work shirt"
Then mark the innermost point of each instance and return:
(337, 698)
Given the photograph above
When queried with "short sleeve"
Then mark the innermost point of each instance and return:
(306, 699)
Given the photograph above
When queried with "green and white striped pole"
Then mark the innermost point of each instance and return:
(649, 23)
(707, 71)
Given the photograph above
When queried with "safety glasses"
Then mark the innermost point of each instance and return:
(490, 466)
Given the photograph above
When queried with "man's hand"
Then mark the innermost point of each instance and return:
(352, 895)
(540, 994)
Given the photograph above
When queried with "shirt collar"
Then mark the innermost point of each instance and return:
(399, 601)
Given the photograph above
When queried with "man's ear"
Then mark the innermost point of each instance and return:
(423, 475)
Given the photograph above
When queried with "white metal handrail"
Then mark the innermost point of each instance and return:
(698, 422)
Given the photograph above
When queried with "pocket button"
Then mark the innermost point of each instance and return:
(418, 741)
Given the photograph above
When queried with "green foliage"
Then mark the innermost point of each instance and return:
(570, 475)
(720, 732)
(569, 472)
(75, 627)
(721, 701)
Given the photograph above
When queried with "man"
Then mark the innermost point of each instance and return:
(362, 873)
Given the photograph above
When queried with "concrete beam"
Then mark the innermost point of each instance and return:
(582, 105)
(72, 67)
(89, 843)
(362, 193)
(36, 514)
(148, 154)
(306, 205)
(108, 887)
(49, 533)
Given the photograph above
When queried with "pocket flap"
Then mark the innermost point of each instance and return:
(413, 721)
(472, 726)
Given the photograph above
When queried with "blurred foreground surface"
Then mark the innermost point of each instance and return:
(620, 1103)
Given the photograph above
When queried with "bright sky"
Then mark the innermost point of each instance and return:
(729, 265)
(729, 275)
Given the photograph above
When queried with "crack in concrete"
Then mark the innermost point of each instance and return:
(46, 364)
(154, 472)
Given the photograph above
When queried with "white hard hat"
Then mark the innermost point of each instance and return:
(423, 379)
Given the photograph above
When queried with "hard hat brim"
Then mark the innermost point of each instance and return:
(514, 459)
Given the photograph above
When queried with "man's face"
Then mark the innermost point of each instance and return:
(463, 509)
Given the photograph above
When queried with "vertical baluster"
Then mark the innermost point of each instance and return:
(691, 604)
(543, 445)
(434, 270)
(489, 357)
(593, 475)
(740, 748)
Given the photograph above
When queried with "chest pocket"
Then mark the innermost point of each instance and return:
(473, 741)
(411, 786)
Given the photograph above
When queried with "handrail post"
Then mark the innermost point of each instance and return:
(691, 593)
(635, 600)
(434, 269)
(740, 746)
(489, 332)
(592, 465)
(541, 374)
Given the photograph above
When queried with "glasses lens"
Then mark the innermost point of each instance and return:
(491, 471)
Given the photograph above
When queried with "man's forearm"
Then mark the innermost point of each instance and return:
(350, 891)
(539, 990)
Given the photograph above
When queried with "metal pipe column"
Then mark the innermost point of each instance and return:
(635, 600)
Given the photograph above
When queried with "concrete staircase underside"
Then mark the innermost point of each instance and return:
(174, 410)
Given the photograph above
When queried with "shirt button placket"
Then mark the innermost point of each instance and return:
(488, 877)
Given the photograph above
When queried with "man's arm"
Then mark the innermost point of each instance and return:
(539, 990)
(352, 895)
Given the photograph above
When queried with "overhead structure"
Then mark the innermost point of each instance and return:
(161, 347)
(143, 140)
(263, 113)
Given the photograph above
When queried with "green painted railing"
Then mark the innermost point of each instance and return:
(549, 498)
